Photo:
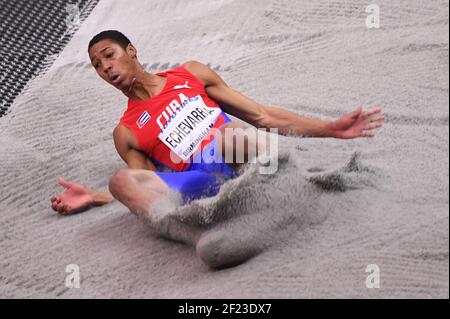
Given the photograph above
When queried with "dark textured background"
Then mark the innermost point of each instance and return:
(31, 32)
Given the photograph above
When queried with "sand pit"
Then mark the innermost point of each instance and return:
(333, 208)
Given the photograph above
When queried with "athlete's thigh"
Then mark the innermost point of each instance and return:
(238, 143)
(191, 184)
(149, 179)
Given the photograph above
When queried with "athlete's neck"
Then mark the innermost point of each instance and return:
(144, 85)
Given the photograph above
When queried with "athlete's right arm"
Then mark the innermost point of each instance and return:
(77, 198)
(126, 147)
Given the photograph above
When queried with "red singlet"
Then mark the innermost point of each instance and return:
(178, 120)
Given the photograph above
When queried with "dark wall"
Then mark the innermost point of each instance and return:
(30, 32)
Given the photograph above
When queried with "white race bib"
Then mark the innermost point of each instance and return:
(188, 126)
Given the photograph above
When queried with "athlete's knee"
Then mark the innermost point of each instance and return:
(124, 183)
(119, 181)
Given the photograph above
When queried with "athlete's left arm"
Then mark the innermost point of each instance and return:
(359, 123)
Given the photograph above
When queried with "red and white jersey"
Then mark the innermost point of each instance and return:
(177, 123)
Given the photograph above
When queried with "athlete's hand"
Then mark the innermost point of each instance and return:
(74, 199)
(359, 123)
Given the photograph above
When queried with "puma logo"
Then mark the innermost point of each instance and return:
(185, 86)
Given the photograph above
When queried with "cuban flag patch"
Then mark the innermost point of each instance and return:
(143, 119)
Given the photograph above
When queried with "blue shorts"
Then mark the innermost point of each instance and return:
(206, 173)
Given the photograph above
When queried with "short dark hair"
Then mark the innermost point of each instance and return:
(112, 35)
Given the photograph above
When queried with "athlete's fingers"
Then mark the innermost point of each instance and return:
(372, 125)
(376, 117)
(56, 199)
(55, 206)
(60, 207)
(373, 111)
(368, 133)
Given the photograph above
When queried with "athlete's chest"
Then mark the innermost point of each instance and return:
(180, 123)
(178, 117)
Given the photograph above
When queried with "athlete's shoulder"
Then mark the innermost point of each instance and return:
(194, 67)
(187, 69)
(202, 72)
(191, 64)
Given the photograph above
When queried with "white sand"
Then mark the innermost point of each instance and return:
(333, 208)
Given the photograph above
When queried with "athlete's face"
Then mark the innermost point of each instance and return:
(114, 64)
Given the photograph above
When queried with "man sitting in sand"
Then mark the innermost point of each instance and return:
(167, 134)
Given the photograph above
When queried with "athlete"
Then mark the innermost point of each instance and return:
(167, 134)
